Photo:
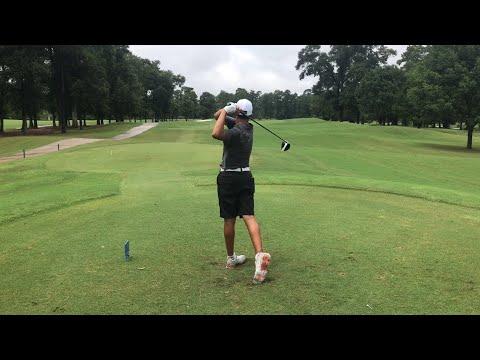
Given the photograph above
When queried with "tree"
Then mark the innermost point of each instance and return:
(4, 83)
(126, 89)
(284, 104)
(61, 59)
(267, 107)
(178, 81)
(120, 73)
(254, 97)
(188, 105)
(303, 107)
(100, 86)
(278, 105)
(175, 103)
(223, 98)
(240, 93)
(426, 99)
(467, 92)
(378, 93)
(412, 56)
(443, 83)
(29, 73)
(207, 105)
(89, 90)
(340, 69)
(162, 94)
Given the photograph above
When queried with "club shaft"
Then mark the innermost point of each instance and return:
(268, 130)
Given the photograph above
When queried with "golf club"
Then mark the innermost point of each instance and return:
(285, 144)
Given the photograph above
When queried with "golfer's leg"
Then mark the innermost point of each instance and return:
(229, 233)
(254, 231)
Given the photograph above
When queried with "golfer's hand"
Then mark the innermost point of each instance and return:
(230, 108)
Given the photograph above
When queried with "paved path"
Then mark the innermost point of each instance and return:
(135, 131)
(72, 142)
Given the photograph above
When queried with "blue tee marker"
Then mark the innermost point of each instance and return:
(127, 250)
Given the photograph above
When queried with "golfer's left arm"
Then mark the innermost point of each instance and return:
(218, 132)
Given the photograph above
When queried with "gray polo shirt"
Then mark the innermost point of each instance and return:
(237, 145)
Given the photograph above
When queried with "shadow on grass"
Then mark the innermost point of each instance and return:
(453, 148)
(45, 130)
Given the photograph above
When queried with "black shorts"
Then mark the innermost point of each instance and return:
(235, 194)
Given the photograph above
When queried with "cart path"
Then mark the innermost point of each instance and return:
(72, 142)
(135, 131)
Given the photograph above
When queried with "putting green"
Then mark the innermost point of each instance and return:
(358, 219)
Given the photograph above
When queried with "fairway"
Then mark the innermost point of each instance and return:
(359, 219)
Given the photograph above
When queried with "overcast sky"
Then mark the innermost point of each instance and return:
(227, 67)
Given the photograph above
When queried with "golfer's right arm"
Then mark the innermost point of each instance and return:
(217, 114)
(217, 132)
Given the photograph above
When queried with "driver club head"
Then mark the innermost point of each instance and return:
(285, 146)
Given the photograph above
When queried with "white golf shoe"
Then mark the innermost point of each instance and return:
(235, 260)
(262, 260)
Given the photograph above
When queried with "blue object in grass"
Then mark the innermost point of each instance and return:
(127, 250)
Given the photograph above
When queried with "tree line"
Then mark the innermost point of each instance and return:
(73, 83)
(107, 82)
(271, 105)
(430, 86)
(434, 85)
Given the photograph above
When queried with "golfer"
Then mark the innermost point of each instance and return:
(235, 183)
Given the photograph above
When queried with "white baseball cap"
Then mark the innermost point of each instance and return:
(245, 106)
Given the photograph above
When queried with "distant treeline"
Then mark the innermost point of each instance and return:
(73, 83)
(435, 84)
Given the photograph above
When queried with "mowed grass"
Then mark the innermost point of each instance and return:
(358, 219)
(10, 145)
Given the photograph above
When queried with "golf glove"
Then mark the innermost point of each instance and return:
(230, 108)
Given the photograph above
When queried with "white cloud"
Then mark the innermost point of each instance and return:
(217, 67)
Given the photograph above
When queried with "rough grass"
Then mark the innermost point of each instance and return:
(358, 219)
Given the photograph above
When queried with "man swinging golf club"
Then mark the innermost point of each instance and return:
(236, 185)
